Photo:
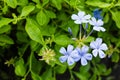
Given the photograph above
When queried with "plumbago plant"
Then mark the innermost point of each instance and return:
(81, 52)
(59, 39)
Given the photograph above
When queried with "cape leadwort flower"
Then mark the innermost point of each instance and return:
(98, 47)
(97, 24)
(69, 55)
(84, 55)
(80, 18)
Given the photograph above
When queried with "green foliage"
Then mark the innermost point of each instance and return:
(20, 69)
(31, 28)
(26, 10)
(5, 21)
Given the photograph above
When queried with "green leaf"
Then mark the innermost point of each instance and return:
(45, 2)
(32, 28)
(20, 69)
(50, 14)
(98, 4)
(5, 28)
(42, 18)
(5, 21)
(6, 39)
(118, 3)
(60, 69)
(11, 3)
(115, 57)
(48, 30)
(80, 76)
(57, 4)
(84, 69)
(47, 73)
(27, 10)
(63, 40)
(35, 76)
(37, 1)
(116, 17)
(22, 2)
(89, 39)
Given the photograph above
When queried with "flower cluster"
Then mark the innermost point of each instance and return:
(81, 52)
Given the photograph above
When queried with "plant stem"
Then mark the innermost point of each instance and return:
(71, 74)
(90, 33)
(80, 33)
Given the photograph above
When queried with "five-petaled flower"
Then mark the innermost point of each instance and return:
(97, 24)
(84, 55)
(81, 18)
(98, 47)
(69, 55)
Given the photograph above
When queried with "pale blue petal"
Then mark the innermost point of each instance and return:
(101, 54)
(63, 59)
(91, 22)
(94, 20)
(75, 55)
(83, 61)
(63, 51)
(85, 49)
(74, 17)
(100, 22)
(78, 49)
(95, 52)
(96, 28)
(70, 61)
(98, 42)
(69, 49)
(88, 56)
(103, 47)
(102, 29)
(81, 14)
(93, 45)
(78, 21)
(87, 17)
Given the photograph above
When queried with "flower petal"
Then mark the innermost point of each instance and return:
(69, 49)
(74, 17)
(81, 14)
(85, 49)
(87, 17)
(70, 61)
(95, 52)
(99, 41)
(102, 29)
(83, 61)
(78, 21)
(63, 59)
(100, 22)
(63, 51)
(101, 54)
(75, 55)
(88, 56)
(93, 45)
(103, 47)
(96, 28)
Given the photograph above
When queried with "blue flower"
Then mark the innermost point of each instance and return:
(69, 55)
(80, 18)
(84, 55)
(98, 47)
(97, 24)
(97, 14)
